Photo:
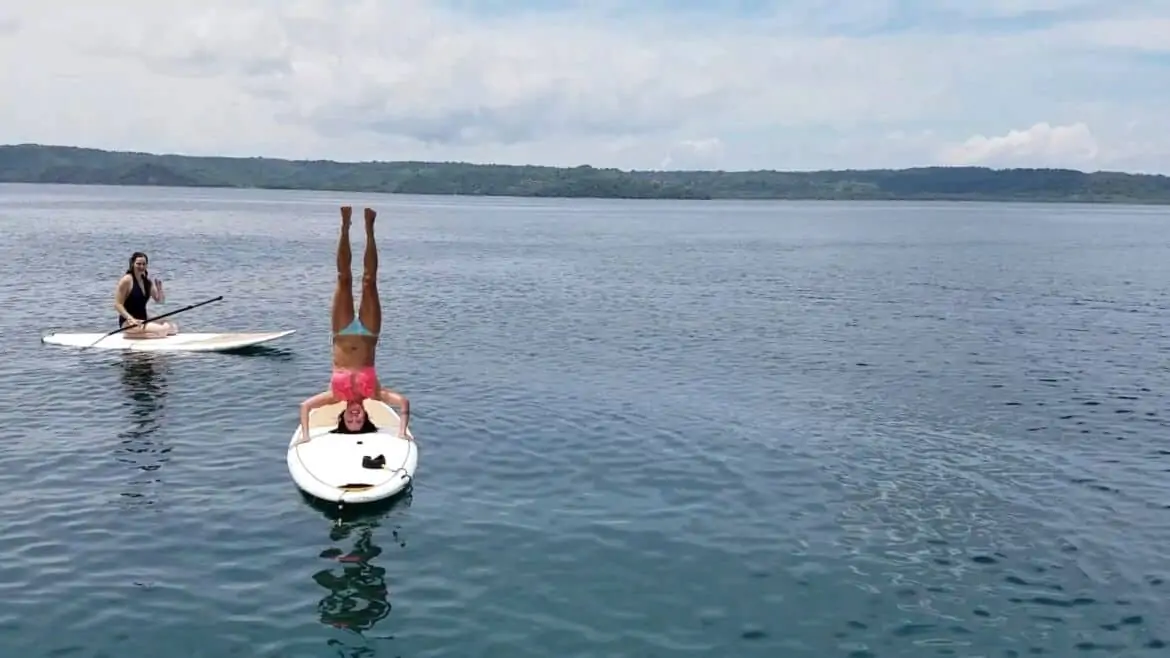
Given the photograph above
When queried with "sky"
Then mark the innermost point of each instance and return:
(720, 84)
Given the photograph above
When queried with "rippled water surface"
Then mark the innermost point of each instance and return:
(646, 429)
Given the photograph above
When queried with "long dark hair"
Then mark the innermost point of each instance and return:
(130, 266)
(367, 427)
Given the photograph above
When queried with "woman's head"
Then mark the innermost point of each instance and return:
(354, 420)
(138, 263)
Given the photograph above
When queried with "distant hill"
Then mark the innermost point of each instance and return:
(34, 163)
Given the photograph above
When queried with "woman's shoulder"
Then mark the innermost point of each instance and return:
(124, 278)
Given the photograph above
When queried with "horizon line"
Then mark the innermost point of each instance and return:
(578, 166)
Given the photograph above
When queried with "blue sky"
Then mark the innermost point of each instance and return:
(835, 17)
(805, 84)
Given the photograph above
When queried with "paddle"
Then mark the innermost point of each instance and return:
(157, 317)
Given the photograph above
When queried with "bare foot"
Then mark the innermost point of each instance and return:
(346, 214)
(370, 215)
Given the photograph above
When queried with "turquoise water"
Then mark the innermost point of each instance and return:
(646, 429)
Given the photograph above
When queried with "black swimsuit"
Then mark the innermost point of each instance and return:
(135, 302)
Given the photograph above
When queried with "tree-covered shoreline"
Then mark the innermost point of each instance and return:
(34, 163)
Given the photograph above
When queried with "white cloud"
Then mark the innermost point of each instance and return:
(810, 85)
(9, 25)
(1041, 145)
(694, 154)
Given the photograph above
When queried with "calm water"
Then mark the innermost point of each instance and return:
(646, 429)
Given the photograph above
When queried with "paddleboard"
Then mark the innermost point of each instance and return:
(180, 342)
(329, 465)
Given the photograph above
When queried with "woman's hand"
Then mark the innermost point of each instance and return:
(393, 398)
(305, 407)
(318, 400)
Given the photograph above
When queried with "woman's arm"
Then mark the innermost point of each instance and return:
(120, 290)
(318, 400)
(397, 399)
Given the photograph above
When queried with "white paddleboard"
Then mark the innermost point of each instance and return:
(180, 342)
(329, 465)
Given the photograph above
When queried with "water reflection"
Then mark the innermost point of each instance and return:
(358, 596)
(144, 381)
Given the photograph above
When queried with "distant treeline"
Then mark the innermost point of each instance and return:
(32, 163)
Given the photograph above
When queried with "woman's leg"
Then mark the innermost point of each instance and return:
(161, 328)
(138, 331)
(147, 331)
(343, 295)
(370, 312)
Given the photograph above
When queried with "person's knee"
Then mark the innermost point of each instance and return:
(345, 278)
(369, 282)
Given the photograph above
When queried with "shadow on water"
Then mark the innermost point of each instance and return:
(278, 353)
(358, 597)
(144, 382)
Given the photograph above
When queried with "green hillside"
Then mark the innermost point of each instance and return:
(31, 163)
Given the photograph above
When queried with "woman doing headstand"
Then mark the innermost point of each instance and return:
(355, 340)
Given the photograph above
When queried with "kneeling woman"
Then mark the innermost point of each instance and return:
(131, 294)
(355, 340)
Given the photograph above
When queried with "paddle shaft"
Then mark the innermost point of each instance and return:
(157, 317)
